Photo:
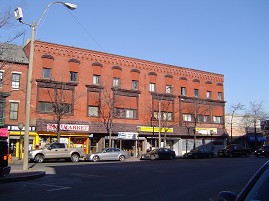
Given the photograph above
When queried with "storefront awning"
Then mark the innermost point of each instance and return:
(258, 137)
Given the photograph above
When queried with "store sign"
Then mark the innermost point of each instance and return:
(3, 132)
(154, 129)
(206, 131)
(127, 135)
(68, 127)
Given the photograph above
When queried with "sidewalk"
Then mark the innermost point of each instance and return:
(17, 174)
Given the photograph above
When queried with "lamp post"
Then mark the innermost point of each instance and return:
(20, 126)
(34, 25)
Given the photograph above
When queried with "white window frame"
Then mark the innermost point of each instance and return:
(208, 94)
(116, 82)
(96, 79)
(14, 114)
(46, 73)
(187, 117)
(152, 87)
(219, 95)
(15, 84)
(73, 76)
(135, 84)
(196, 93)
(93, 111)
(183, 91)
(168, 89)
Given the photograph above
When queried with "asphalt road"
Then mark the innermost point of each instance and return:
(181, 179)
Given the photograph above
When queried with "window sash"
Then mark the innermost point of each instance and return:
(187, 117)
(219, 96)
(152, 87)
(93, 111)
(183, 91)
(73, 76)
(1, 78)
(116, 82)
(168, 89)
(134, 84)
(15, 81)
(96, 79)
(208, 94)
(46, 73)
(196, 92)
(14, 108)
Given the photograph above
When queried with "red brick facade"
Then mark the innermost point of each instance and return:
(144, 88)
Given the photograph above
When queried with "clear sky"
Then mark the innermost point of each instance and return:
(229, 37)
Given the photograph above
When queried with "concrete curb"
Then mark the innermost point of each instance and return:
(22, 176)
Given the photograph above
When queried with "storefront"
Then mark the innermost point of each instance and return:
(16, 140)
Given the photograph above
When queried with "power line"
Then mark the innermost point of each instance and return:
(87, 32)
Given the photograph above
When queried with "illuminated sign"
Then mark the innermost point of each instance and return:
(206, 131)
(127, 135)
(154, 129)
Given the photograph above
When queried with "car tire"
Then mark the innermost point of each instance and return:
(152, 157)
(39, 158)
(96, 158)
(121, 158)
(74, 158)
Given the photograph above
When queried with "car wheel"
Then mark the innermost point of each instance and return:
(39, 158)
(171, 157)
(96, 158)
(152, 157)
(121, 158)
(75, 158)
(230, 155)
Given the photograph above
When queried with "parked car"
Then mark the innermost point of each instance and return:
(56, 151)
(160, 153)
(263, 151)
(234, 150)
(4, 167)
(256, 188)
(108, 154)
(199, 153)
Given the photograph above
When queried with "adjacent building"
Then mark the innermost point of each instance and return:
(94, 100)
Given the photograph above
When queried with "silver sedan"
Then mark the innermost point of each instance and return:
(108, 154)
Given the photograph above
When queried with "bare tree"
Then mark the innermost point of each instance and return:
(234, 109)
(107, 110)
(253, 117)
(197, 109)
(61, 102)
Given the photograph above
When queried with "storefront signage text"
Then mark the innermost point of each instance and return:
(206, 131)
(3, 132)
(68, 127)
(127, 135)
(154, 129)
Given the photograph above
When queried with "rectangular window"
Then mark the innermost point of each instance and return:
(125, 113)
(187, 117)
(96, 79)
(152, 87)
(93, 111)
(219, 96)
(208, 94)
(183, 91)
(168, 89)
(217, 119)
(15, 80)
(196, 93)
(135, 84)
(200, 118)
(45, 107)
(167, 116)
(46, 74)
(2, 114)
(73, 76)
(14, 109)
(206, 119)
(1, 78)
(116, 82)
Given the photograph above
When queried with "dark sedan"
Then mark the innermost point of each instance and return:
(199, 153)
(263, 151)
(256, 189)
(161, 153)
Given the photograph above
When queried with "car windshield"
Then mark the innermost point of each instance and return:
(260, 189)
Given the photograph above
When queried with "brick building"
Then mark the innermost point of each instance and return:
(82, 91)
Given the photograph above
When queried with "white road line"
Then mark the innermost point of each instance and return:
(57, 188)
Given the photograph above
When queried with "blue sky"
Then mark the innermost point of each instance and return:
(229, 37)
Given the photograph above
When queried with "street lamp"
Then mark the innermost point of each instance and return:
(18, 14)
(20, 126)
